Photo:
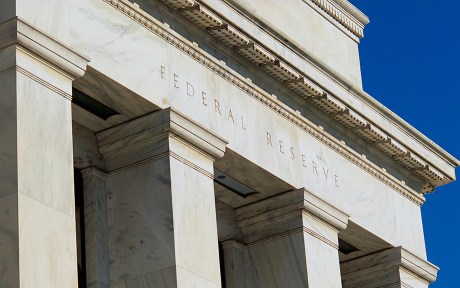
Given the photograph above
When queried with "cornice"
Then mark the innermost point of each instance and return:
(344, 13)
(23, 34)
(302, 85)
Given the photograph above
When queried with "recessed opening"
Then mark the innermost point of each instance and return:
(92, 105)
(346, 248)
(232, 184)
(80, 227)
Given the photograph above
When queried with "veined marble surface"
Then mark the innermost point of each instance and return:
(38, 234)
(116, 45)
(162, 215)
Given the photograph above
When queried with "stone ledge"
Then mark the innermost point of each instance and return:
(373, 265)
(157, 126)
(289, 212)
(18, 32)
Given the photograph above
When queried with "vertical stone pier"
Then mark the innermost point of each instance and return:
(162, 222)
(96, 232)
(37, 217)
(292, 241)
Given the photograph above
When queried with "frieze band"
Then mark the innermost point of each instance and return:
(150, 23)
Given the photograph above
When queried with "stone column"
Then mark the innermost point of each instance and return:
(237, 273)
(96, 228)
(394, 267)
(292, 240)
(37, 217)
(162, 224)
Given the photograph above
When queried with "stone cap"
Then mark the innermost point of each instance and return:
(345, 13)
(284, 212)
(390, 259)
(19, 32)
(157, 126)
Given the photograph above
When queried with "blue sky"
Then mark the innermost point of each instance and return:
(410, 61)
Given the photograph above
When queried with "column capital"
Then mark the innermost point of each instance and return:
(93, 171)
(19, 33)
(287, 211)
(323, 210)
(388, 266)
(154, 133)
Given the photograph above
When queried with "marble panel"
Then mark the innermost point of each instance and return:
(8, 10)
(47, 245)
(141, 229)
(48, 144)
(409, 225)
(162, 278)
(187, 279)
(195, 222)
(96, 228)
(156, 219)
(9, 239)
(8, 130)
(280, 262)
(323, 269)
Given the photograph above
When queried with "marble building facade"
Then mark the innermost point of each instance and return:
(203, 143)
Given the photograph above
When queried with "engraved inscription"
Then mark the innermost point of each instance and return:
(206, 100)
(321, 172)
(224, 111)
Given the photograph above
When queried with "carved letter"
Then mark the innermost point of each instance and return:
(242, 123)
(303, 161)
(230, 115)
(336, 181)
(216, 106)
(281, 147)
(269, 139)
(326, 172)
(292, 153)
(162, 72)
(176, 80)
(190, 90)
(203, 99)
(313, 163)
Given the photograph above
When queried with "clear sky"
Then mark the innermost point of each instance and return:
(410, 62)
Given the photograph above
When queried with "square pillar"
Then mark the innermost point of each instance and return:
(236, 265)
(292, 240)
(394, 267)
(162, 215)
(96, 228)
(37, 217)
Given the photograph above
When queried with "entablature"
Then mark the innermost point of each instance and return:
(357, 111)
